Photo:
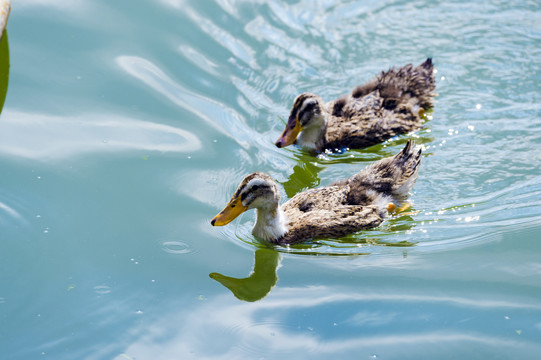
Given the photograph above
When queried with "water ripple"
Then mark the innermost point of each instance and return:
(221, 117)
(291, 321)
(53, 137)
(176, 247)
(10, 212)
(261, 30)
(102, 289)
(15, 211)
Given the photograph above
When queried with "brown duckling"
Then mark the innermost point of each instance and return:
(389, 105)
(344, 207)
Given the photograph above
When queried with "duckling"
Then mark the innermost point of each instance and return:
(344, 207)
(389, 105)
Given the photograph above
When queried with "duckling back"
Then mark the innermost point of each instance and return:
(408, 85)
(390, 105)
(387, 180)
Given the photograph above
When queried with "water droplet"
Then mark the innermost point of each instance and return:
(442, 78)
(478, 106)
(139, 312)
(38, 216)
(471, 127)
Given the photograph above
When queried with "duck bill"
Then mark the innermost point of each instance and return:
(292, 130)
(233, 209)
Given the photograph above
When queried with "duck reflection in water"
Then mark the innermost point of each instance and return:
(304, 176)
(259, 283)
(4, 68)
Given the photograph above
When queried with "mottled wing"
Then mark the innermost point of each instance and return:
(409, 84)
(363, 122)
(321, 198)
(393, 176)
(323, 212)
(330, 223)
(384, 107)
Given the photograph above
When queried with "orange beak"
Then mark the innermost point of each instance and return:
(233, 209)
(292, 130)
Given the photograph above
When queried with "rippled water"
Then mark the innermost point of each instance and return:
(127, 126)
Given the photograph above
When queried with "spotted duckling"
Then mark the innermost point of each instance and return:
(348, 206)
(389, 105)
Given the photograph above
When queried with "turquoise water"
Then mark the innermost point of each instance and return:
(127, 126)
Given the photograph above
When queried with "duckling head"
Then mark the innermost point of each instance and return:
(306, 123)
(257, 191)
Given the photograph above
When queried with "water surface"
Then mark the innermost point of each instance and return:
(127, 126)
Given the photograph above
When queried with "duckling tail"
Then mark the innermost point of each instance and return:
(405, 167)
(391, 178)
(428, 64)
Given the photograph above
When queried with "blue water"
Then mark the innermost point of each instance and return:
(128, 125)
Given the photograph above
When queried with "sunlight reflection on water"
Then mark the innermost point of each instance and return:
(252, 329)
(56, 137)
(213, 112)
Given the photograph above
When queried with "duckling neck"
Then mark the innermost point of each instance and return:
(271, 224)
(312, 136)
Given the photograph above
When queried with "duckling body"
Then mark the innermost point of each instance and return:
(389, 105)
(345, 207)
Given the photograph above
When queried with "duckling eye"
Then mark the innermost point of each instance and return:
(255, 187)
(309, 107)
